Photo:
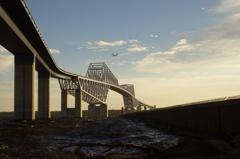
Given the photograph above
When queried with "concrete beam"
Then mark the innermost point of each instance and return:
(24, 87)
(43, 95)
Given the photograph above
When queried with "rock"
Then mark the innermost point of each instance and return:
(220, 145)
(237, 138)
(52, 155)
(234, 152)
(3, 156)
(124, 156)
(189, 147)
(180, 139)
(4, 149)
(236, 146)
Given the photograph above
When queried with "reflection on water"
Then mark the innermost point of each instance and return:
(115, 130)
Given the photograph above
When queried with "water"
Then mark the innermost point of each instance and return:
(113, 130)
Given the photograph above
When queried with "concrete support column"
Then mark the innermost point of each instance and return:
(78, 103)
(126, 111)
(91, 110)
(64, 103)
(132, 110)
(43, 95)
(145, 108)
(24, 87)
(103, 110)
(139, 108)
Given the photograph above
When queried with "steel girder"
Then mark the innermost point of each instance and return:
(101, 72)
(92, 91)
(96, 84)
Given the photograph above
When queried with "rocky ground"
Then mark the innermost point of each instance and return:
(105, 138)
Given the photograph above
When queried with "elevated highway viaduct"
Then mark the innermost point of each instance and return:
(20, 35)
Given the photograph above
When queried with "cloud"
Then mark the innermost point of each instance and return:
(53, 51)
(215, 50)
(3, 50)
(183, 33)
(182, 45)
(137, 48)
(134, 41)
(6, 61)
(6, 85)
(155, 36)
(114, 43)
(124, 54)
(227, 6)
(103, 45)
(179, 90)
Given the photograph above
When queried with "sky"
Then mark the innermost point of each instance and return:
(173, 52)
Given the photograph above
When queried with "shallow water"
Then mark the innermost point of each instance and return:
(114, 130)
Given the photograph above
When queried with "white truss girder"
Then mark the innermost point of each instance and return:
(101, 72)
(96, 84)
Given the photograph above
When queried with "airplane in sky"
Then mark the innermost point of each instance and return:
(115, 54)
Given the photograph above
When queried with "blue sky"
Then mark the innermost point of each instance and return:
(174, 51)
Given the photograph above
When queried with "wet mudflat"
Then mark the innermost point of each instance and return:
(26, 137)
(43, 138)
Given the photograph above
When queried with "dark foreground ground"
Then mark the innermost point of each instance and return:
(104, 138)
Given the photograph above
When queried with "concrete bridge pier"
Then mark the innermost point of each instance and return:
(44, 95)
(103, 110)
(132, 110)
(71, 112)
(139, 108)
(78, 103)
(126, 111)
(97, 111)
(24, 87)
(64, 103)
(145, 108)
(91, 110)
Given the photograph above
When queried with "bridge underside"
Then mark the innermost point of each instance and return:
(21, 37)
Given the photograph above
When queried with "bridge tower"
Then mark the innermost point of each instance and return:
(129, 101)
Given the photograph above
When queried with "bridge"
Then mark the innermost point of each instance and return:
(20, 35)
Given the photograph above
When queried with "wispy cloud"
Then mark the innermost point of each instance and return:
(136, 48)
(153, 36)
(227, 6)
(53, 51)
(103, 45)
(134, 41)
(124, 54)
(6, 85)
(114, 43)
(6, 61)
(217, 47)
(174, 33)
(3, 50)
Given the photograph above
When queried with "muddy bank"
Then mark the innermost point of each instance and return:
(35, 139)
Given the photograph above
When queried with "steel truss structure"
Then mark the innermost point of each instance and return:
(96, 84)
